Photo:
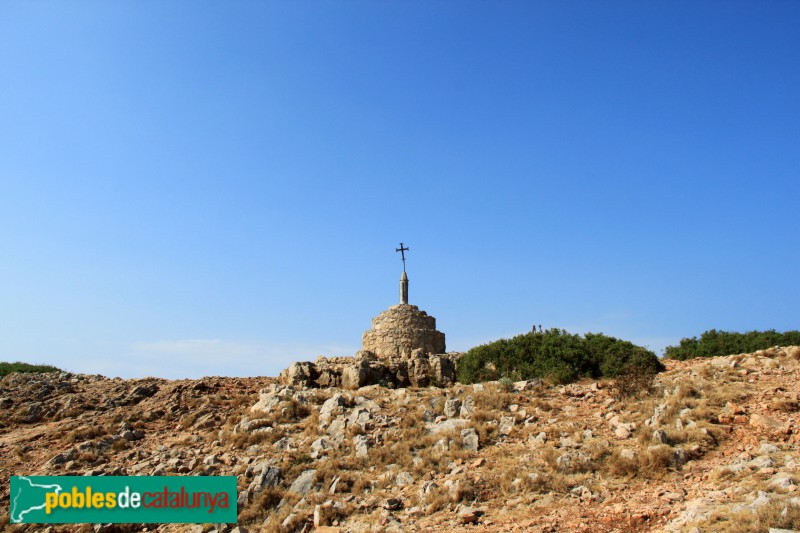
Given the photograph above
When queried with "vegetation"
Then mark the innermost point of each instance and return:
(554, 354)
(713, 343)
(634, 381)
(8, 368)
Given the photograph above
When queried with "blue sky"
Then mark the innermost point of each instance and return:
(217, 188)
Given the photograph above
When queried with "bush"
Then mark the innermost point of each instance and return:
(713, 343)
(633, 381)
(8, 368)
(554, 354)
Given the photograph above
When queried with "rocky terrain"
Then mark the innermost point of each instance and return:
(710, 445)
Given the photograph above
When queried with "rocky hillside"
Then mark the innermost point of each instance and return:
(711, 445)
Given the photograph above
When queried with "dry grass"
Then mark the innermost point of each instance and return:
(354, 430)
(719, 394)
(276, 518)
(261, 506)
(785, 405)
(380, 456)
(619, 466)
(70, 412)
(464, 490)
(327, 512)
(362, 483)
(773, 515)
(240, 400)
(292, 411)
(723, 475)
(547, 482)
(409, 446)
(702, 434)
(243, 440)
(687, 397)
(346, 468)
(21, 452)
(189, 419)
(541, 404)
(485, 423)
(703, 412)
(5, 519)
(120, 445)
(493, 397)
(656, 461)
(310, 424)
(436, 500)
(430, 459)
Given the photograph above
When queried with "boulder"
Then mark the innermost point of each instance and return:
(528, 384)
(452, 407)
(467, 407)
(659, 437)
(354, 377)
(304, 482)
(361, 446)
(506, 425)
(446, 425)
(469, 439)
(469, 515)
(333, 407)
(139, 393)
(361, 417)
(392, 504)
(765, 422)
(298, 374)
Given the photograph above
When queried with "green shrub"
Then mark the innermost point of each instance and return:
(506, 384)
(554, 354)
(712, 343)
(7, 368)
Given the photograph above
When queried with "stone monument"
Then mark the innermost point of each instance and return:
(402, 349)
(403, 330)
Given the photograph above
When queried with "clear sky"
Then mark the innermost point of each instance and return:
(217, 188)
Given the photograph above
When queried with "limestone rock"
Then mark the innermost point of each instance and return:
(528, 384)
(660, 437)
(506, 425)
(332, 407)
(467, 407)
(451, 407)
(418, 370)
(139, 393)
(353, 376)
(446, 425)
(304, 482)
(360, 416)
(469, 515)
(297, 373)
(469, 437)
(392, 504)
(361, 446)
(765, 422)
(270, 476)
(404, 479)
(628, 454)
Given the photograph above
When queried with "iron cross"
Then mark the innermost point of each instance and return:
(402, 254)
